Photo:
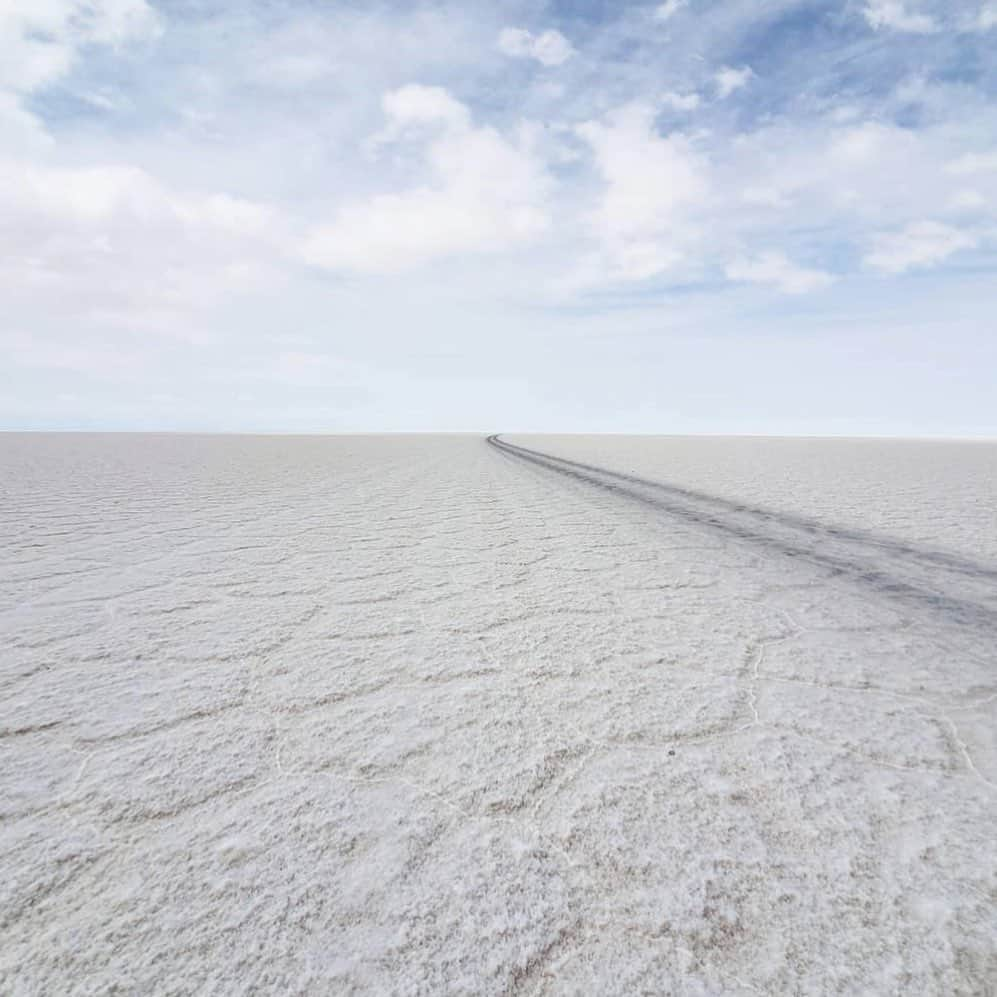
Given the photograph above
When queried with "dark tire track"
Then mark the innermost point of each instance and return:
(954, 587)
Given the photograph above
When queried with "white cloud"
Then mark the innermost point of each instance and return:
(972, 164)
(680, 101)
(649, 177)
(967, 200)
(114, 246)
(778, 271)
(894, 14)
(651, 185)
(421, 105)
(919, 244)
(550, 47)
(114, 22)
(728, 80)
(234, 215)
(867, 143)
(669, 9)
(40, 40)
(307, 47)
(125, 195)
(484, 193)
(20, 131)
(987, 17)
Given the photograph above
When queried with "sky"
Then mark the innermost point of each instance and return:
(696, 216)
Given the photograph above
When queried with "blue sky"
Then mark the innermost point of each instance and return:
(689, 216)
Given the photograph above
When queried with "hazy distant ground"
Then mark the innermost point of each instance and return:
(425, 715)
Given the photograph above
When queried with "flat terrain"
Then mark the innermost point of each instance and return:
(534, 715)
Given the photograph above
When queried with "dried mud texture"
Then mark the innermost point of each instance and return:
(441, 715)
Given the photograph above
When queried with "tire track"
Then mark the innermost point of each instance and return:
(953, 587)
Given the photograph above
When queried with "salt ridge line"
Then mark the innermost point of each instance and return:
(880, 563)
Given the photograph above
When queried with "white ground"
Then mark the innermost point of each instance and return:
(416, 715)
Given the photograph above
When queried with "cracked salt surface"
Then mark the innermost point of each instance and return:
(554, 715)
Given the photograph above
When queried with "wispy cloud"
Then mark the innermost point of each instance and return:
(41, 42)
(669, 9)
(896, 15)
(680, 101)
(973, 163)
(775, 269)
(728, 80)
(919, 244)
(549, 47)
(987, 17)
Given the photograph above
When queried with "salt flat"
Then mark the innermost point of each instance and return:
(543, 716)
